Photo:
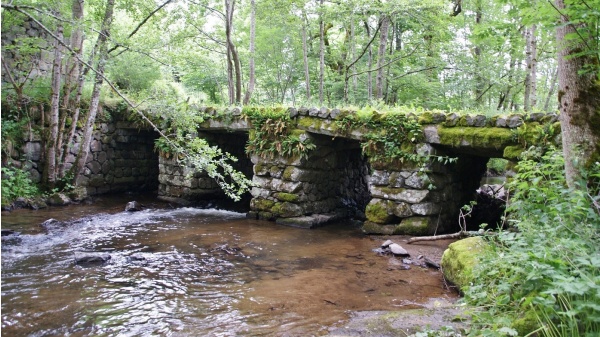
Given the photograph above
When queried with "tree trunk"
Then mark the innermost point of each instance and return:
(321, 56)
(369, 66)
(229, 44)
(579, 101)
(379, 80)
(49, 177)
(72, 82)
(551, 91)
(251, 74)
(305, 59)
(95, 98)
(530, 99)
(478, 63)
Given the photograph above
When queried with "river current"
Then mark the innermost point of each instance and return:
(194, 272)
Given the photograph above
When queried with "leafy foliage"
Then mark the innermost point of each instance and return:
(550, 267)
(272, 135)
(393, 136)
(16, 183)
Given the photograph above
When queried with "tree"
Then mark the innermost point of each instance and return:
(578, 85)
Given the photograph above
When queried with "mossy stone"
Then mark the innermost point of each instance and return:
(426, 118)
(476, 137)
(308, 122)
(377, 211)
(289, 197)
(461, 258)
(512, 152)
(415, 226)
(262, 204)
(527, 323)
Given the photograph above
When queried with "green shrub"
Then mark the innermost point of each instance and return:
(16, 183)
(544, 278)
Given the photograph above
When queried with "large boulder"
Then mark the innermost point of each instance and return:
(460, 258)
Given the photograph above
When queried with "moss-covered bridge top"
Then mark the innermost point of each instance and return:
(490, 136)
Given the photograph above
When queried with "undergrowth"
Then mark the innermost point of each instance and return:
(544, 278)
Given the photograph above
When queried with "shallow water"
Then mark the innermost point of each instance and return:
(195, 272)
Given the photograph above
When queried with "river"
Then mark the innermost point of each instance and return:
(195, 272)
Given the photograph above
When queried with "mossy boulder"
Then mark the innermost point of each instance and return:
(527, 323)
(460, 259)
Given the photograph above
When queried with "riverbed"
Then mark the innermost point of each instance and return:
(173, 271)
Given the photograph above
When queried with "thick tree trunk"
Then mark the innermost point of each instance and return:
(530, 99)
(49, 176)
(95, 99)
(251, 74)
(383, 37)
(579, 102)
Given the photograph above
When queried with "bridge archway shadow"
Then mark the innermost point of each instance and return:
(176, 185)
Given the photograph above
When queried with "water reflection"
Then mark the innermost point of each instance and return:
(192, 272)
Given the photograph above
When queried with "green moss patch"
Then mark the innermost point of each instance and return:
(289, 197)
(460, 258)
(476, 137)
(415, 226)
(377, 212)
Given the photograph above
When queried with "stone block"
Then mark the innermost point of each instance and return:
(401, 209)
(416, 226)
(426, 208)
(379, 178)
(399, 194)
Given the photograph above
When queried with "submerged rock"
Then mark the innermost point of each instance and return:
(6, 232)
(133, 206)
(91, 259)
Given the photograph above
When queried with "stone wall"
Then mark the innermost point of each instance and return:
(421, 200)
(121, 158)
(306, 192)
(38, 63)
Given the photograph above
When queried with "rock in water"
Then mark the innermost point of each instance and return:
(386, 244)
(397, 249)
(87, 260)
(133, 206)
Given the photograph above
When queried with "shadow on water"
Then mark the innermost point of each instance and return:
(193, 272)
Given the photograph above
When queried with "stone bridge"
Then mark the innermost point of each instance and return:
(405, 173)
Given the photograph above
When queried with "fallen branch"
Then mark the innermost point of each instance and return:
(459, 235)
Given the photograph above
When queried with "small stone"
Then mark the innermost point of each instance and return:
(397, 249)
(379, 251)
